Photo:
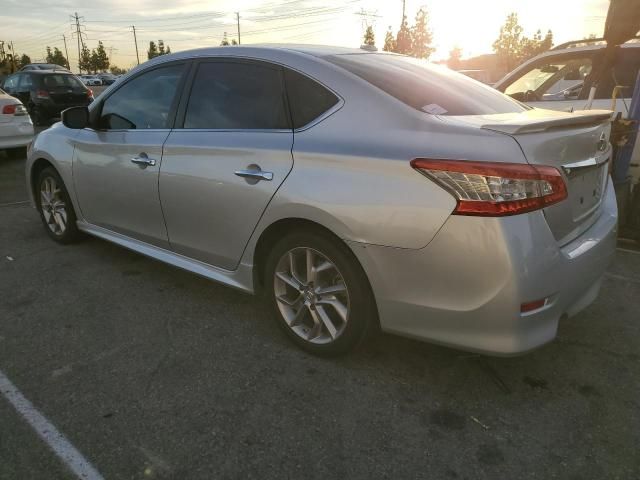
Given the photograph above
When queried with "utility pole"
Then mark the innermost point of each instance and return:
(403, 10)
(78, 35)
(66, 52)
(135, 39)
(238, 20)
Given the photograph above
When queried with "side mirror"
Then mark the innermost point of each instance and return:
(75, 117)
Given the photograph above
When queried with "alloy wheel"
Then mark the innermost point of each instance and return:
(311, 295)
(53, 206)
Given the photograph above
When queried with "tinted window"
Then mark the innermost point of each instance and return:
(61, 80)
(307, 98)
(229, 95)
(143, 102)
(11, 82)
(26, 82)
(426, 87)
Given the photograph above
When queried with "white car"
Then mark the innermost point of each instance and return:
(559, 80)
(16, 129)
(91, 80)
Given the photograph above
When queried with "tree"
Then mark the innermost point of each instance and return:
(153, 50)
(403, 38)
(421, 36)
(389, 42)
(85, 59)
(455, 55)
(234, 42)
(536, 45)
(100, 60)
(24, 60)
(512, 48)
(117, 70)
(56, 57)
(369, 37)
(225, 40)
(161, 50)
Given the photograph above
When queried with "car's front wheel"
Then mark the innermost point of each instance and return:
(318, 292)
(54, 205)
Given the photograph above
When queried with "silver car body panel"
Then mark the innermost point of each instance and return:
(454, 280)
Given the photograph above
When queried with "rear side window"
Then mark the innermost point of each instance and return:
(237, 96)
(308, 99)
(61, 80)
(26, 82)
(428, 88)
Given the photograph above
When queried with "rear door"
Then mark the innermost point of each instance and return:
(115, 166)
(227, 156)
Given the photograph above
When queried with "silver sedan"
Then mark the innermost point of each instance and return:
(356, 190)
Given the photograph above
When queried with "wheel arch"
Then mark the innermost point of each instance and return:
(36, 168)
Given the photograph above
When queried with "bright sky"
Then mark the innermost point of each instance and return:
(183, 24)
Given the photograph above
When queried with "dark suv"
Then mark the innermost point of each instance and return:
(46, 93)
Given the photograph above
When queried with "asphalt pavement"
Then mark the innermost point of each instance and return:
(152, 372)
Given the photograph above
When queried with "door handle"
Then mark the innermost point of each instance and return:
(254, 174)
(143, 160)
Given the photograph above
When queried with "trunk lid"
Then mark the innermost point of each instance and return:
(576, 143)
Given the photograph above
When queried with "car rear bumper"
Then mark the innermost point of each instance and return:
(466, 288)
(15, 134)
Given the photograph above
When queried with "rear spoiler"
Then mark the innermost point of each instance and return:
(540, 120)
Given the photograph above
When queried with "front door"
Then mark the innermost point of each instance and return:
(115, 166)
(224, 161)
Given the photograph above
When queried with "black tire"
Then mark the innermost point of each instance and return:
(17, 153)
(71, 233)
(362, 312)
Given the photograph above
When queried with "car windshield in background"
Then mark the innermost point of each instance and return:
(428, 88)
(61, 80)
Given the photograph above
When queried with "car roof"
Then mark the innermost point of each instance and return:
(584, 46)
(47, 72)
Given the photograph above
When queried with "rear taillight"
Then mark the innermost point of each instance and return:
(42, 94)
(494, 189)
(89, 93)
(15, 109)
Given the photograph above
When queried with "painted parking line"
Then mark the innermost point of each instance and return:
(11, 204)
(626, 250)
(69, 455)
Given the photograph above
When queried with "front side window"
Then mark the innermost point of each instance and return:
(559, 79)
(144, 102)
(237, 96)
(308, 99)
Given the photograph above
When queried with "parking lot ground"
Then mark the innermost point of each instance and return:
(152, 372)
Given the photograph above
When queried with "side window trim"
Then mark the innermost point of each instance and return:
(96, 113)
(189, 84)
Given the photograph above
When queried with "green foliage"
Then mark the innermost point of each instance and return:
(157, 50)
(513, 48)
(225, 41)
(415, 41)
(117, 70)
(24, 60)
(56, 57)
(403, 38)
(389, 42)
(421, 36)
(455, 55)
(85, 59)
(369, 36)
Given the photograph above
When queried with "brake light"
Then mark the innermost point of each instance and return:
(9, 109)
(531, 306)
(89, 93)
(493, 189)
(42, 94)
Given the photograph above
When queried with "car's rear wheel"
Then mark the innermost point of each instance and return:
(318, 292)
(55, 207)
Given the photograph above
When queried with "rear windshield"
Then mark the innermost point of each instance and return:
(61, 80)
(425, 87)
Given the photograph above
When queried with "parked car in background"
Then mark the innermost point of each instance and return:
(16, 129)
(91, 80)
(413, 197)
(560, 80)
(46, 93)
(107, 78)
(42, 66)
